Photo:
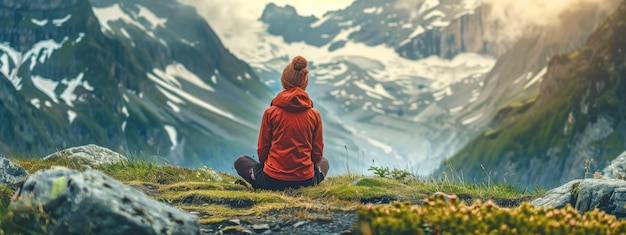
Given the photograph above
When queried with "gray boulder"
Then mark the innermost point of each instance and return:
(92, 155)
(608, 195)
(11, 173)
(617, 168)
(91, 202)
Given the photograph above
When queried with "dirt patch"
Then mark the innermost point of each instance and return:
(287, 221)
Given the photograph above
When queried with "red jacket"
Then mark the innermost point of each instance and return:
(290, 140)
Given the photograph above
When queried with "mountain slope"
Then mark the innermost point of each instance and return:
(127, 76)
(578, 116)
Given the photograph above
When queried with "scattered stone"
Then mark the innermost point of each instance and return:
(89, 155)
(617, 168)
(608, 195)
(384, 199)
(91, 202)
(298, 224)
(234, 230)
(11, 173)
(260, 227)
(235, 222)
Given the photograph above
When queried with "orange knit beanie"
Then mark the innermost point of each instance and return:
(295, 74)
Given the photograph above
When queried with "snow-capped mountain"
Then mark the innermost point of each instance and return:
(134, 76)
(411, 82)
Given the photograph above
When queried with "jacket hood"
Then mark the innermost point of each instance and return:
(293, 100)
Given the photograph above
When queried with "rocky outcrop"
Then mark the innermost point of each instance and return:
(92, 155)
(585, 195)
(91, 202)
(11, 173)
(617, 168)
(463, 34)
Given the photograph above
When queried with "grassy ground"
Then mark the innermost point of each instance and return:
(215, 197)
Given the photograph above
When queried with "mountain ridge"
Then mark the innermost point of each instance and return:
(125, 75)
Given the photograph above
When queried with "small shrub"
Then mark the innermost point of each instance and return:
(384, 172)
(437, 216)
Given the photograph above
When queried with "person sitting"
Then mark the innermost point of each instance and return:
(290, 145)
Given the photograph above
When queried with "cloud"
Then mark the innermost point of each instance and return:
(237, 17)
(228, 17)
(510, 19)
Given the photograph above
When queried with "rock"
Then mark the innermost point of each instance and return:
(557, 197)
(617, 168)
(260, 227)
(11, 173)
(298, 224)
(608, 195)
(92, 155)
(91, 202)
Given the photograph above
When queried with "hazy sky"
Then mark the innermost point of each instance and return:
(514, 17)
(510, 17)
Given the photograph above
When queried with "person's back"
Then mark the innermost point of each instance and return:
(290, 146)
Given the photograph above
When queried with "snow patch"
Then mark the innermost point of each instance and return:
(13, 59)
(373, 10)
(427, 5)
(186, 96)
(471, 119)
(378, 89)
(39, 22)
(125, 111)
(538, 77)
(456, 110)
(115, 13)
(68, 95)
(151, 17)
(59, 22)
(47, 86)
(173, 106)
(170, 96)
(35, 102)
(79, 39)
(42, 51)
(419, 30)
(174, 71)
(71, 115)
(171, 132)
(435, 13)
(443, 93)
(320, 21)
